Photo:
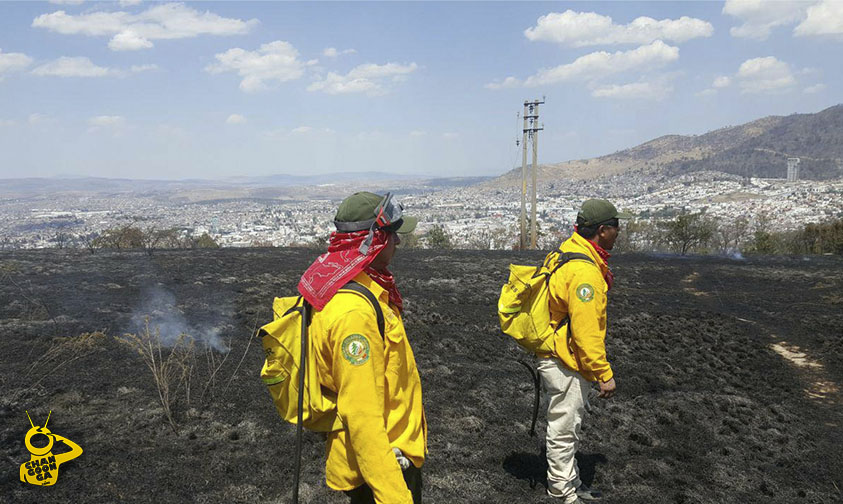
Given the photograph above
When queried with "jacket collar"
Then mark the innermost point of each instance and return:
(576, 243)
(375, 288)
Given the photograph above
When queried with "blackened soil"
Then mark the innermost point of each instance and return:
(706, 411)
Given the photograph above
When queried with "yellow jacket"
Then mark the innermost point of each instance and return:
(577, 291)
(379, 398)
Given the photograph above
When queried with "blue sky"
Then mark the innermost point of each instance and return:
(215, 89)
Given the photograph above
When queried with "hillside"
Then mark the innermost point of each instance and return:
(759, 148)
(721, 399)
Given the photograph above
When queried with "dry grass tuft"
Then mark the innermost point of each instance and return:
(172, 368)
(63, 351)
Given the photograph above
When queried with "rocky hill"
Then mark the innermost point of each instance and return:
(759, 148)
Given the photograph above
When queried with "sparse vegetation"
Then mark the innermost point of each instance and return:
(687, 231)
(149, 239)
(175, 368)
(438, 238)
(171, 368)
(205, 241)
(820, 238)
(64, 351)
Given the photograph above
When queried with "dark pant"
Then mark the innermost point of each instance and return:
(412, 476)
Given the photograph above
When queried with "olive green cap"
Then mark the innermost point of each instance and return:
(360, 208)
(597, 211)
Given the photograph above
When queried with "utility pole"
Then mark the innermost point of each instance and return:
(531, 114)
(523, 241)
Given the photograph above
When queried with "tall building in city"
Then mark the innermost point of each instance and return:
(792, 169)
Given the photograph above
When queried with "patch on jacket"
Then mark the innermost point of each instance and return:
(585, 292)
(355, 349)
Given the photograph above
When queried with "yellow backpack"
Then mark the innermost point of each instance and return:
(290, 364)
(524, 312)
(523, 306)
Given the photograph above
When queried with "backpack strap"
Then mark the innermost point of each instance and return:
(366, 293)
(564, 257)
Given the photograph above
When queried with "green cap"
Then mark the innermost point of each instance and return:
(360, 207)
(597, 211)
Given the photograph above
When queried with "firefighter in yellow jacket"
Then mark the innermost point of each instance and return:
(378, 454)
(577, 297)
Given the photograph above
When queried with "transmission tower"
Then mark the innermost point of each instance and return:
(530, 134)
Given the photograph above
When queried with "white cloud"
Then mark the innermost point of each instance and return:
(298, 131)
(580, 29)
(129, 3)
(106, 123)
(11, 62)
(449, 135)
(72, 67)
(368, 78)
(824, 18)
(128, 40)
(634, 91)
(418, 133)
(760, 17)
(373, 135)
(333, 52)
(38, 118)
(274, 62)
(143, 68)
(6, 123)
(509, 82)
(67, 2)
(601, 64)
(721, 81)
(816, 88)
(137, 31)
(765, 75)
(235, 119)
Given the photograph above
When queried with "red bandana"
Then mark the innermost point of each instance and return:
(343, 261)
(609, 277)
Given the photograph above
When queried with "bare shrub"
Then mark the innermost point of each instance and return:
(172, 368)
(214, 363)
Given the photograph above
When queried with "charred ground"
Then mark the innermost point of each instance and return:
(728, 372)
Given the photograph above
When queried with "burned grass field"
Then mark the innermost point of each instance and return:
(729, 376)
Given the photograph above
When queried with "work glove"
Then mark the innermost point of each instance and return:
(403, 461)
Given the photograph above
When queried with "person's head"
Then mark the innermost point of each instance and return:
(599, 221)
(368, 211)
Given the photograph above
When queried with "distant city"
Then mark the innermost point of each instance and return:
(480, 215)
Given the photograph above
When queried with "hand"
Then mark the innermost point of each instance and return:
(403, 461)
(607, 389)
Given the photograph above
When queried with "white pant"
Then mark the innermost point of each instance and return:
(568, 392)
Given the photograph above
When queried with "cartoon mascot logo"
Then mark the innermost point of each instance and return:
(43, 467)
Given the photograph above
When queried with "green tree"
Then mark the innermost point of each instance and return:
(205, 241)
(438, 238)
(125, 237)
(687, 231)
